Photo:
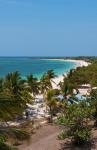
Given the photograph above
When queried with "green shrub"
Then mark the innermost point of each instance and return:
(75, 119)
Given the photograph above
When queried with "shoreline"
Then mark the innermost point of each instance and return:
(41, 111)
(55, 82)
(79, 63)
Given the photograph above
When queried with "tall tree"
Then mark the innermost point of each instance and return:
(13, 82)
(33, 84)
(14, 96)
(51, 74)
(16, 86)
(45, 84)
(51, 103)
(10, 108)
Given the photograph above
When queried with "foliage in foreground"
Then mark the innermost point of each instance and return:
(13, 98)
(93, 104)
(4, 146)
(51, 103)
(15, 93)
(76, 119)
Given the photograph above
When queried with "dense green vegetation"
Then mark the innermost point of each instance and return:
(82, 75)
(13, 98)
(90, 59)
(15, 93)
(78, 118)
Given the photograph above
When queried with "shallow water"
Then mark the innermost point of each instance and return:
(37, 67)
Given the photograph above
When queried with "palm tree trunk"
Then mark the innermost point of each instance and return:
(51, 115)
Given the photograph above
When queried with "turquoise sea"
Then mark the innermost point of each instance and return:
(27, 65)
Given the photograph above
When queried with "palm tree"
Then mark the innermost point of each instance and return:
(14, 85)
(51, 103)
(33, 84)
(8, 132)
(51, 75)
(46, 79)
(14, 96)
(64, 88)
(67, 87)
(13, 82)
(10, 107)
(45, 84)
(70, 73)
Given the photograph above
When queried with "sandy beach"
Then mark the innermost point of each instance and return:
(79, 63)
(57, 80)
(41, 111)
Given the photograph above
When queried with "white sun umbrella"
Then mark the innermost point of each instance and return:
(31, 106)
(40, 96)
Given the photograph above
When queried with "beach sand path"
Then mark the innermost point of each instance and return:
(45, 138)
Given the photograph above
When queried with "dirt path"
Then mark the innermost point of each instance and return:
(45, 138)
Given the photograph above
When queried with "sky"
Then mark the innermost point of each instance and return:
(48, 27)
